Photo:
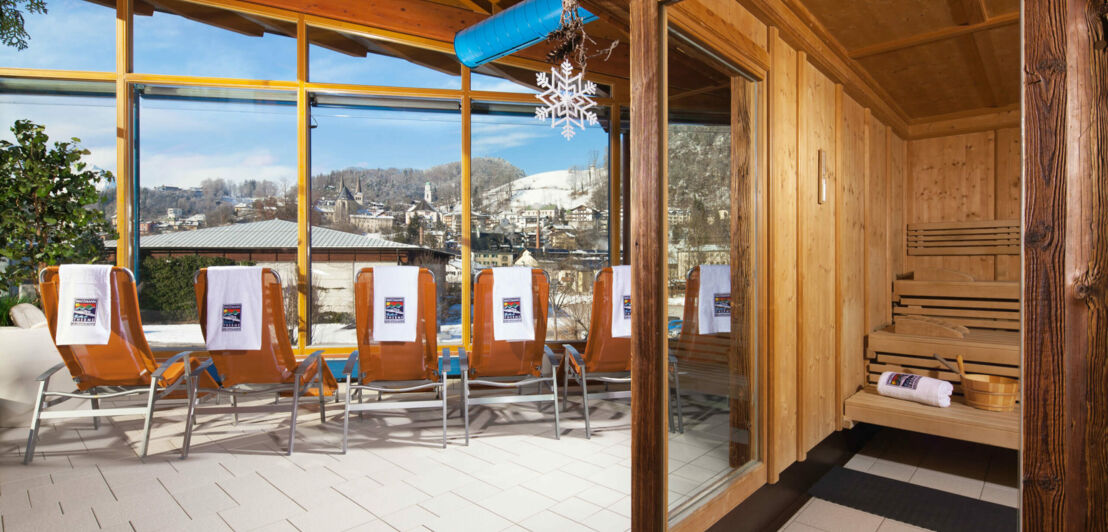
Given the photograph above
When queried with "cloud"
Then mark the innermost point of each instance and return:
(190, 169)
(493, 137)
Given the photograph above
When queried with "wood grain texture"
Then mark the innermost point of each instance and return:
(878, 295)
(952, 179)
(816, 276)
(782, 87)
(1065, 275)
(897, 172)
(851, 248)
(648, 261)
(741, 353)
(1007, 194)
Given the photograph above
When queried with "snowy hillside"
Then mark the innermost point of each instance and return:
(563, 188)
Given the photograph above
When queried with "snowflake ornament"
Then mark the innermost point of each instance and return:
(567, 100)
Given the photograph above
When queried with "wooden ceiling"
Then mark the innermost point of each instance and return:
(933, 57)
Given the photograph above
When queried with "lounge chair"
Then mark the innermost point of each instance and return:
(272, 369)
(504, 364)
(607, 359)
(123, 367)
(394, 367)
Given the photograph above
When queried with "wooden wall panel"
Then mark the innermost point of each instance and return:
(816, 258)
(782, 256)
(951, 179)
(1008, 194)
(897, 174)
(850, 247)
(878, 289)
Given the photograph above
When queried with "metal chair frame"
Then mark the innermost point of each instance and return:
(675, 419)
(154, 393)
(517, 382)
(399, 387)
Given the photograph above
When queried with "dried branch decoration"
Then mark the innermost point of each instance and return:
(570, 40)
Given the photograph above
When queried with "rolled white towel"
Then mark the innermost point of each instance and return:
(934, 392)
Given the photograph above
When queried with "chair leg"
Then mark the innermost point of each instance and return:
(680, 410)
(585, 399)
(442, 394)
(149, 417)
(235, 406)
(295, 408)
(554, 390)
(322, 398)
(190, 418)
(32, 438)
(95, 406)
(346, 416)
(465, 403)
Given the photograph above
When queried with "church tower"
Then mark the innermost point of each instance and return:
(427, 192)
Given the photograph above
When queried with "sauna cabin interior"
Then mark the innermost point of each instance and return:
(868, 154)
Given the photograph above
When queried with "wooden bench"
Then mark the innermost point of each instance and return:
(984, 237)
(949, 314)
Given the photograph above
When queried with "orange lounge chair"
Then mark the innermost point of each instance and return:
(394, 367)
(607, 359)
(270, 370)
(123, 367)
(503, 364)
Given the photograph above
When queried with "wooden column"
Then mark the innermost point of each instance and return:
(1065, 274)
(626, 200)
(124, 147)
(648, 262)
(303, 190)
(740, 377)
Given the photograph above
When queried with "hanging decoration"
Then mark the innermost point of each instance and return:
(568, 97)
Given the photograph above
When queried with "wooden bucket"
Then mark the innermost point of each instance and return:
(990, 392)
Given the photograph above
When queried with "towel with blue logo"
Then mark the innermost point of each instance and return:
(234, 308)
(84, 304)
(395, 303)
(512, 305)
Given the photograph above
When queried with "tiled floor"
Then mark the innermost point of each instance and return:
(514, 474)
(968, 469)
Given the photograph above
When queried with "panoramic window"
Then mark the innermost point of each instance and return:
(339, 57)
(385, 191)
(542, 201)
(503, 79)
(217, 174)
(228, 44)
(712, 332)
(72, 35)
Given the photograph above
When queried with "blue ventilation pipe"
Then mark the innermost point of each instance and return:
(511, 30)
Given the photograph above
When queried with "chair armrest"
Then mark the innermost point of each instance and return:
(572, 351)
(50, 372)
(553, 358)
(172, 360)
(303, 366)
(207, 363)
(350, 361)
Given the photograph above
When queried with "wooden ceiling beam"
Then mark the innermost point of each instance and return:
(965, 122)
(977, 49)
(937, 35)
(435, 22)
(220, 18)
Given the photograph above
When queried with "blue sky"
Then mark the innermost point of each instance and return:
(184, 142)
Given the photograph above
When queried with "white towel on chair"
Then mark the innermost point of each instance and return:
(916, 388)
(395, 303)
(513, 315)
(714, 309)
(84, 304)
(234, 308)
(621, 301)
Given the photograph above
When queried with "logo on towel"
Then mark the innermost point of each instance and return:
(627, 307)
(394, 310)
(232, 317)
(721, 305)
(513, 310)
(84, 311)
(904, 380)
